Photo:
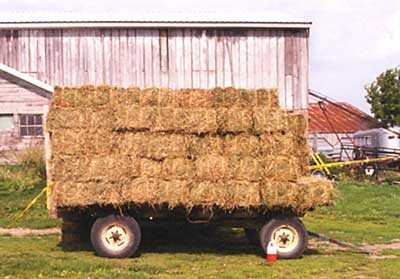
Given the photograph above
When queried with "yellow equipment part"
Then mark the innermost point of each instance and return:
(321, 165)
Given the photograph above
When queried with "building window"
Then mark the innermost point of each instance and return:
(6, 121)
(31, 125)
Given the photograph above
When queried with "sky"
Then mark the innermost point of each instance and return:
(351, 42)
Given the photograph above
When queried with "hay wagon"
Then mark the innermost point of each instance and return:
(131, 158)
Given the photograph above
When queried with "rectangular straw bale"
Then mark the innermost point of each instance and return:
(141, 190)
(192, 98)
(297, 124)
(281, 168)
(62, 97)
(83, 142)
(320, 191)
(71, 193)
(159, 147)
(121, 97)
(234, 120)
(149, 97)
(268, 98)
(178, 168)
(165, 120)
(150, 168)
(136, 118)
(241, 145)
(111, 168)
(130, 143)
(208, 194)
(195, 120)
(206, 145)
(67, 118)
(246, 168)
(172, 192)
(266, 120)
(151, 145)
(212, 168)
(245, 193)
(280, 194)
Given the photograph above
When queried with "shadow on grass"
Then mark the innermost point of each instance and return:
(222, 241)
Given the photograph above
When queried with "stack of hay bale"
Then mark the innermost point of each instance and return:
(222, 147)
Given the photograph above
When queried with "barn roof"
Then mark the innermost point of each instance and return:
(264, 19)
(25, 80)
(340, 117)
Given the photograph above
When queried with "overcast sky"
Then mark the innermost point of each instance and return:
(351, 41)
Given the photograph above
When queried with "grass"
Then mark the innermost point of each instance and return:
(13, 201)
(365, 213)
(226, 255)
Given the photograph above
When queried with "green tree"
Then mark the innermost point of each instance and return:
(384, 97)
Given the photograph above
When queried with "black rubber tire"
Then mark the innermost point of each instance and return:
(266, 236)
(131, 227)
(252, 236)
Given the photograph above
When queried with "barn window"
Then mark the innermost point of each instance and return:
(31, 125)
(6, 121)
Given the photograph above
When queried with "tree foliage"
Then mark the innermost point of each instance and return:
(384, 97)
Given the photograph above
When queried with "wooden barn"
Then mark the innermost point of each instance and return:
(40, 52)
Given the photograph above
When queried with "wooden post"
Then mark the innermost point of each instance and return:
(47, 156)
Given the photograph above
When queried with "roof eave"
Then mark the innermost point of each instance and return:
(154, 24)
(27, 79)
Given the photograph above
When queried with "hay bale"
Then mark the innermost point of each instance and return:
(205, 145)
(112, 168)
(209, 194)
(178, 168)
(212, 168)
(150, 168)
(192, 98)
(71, 193)
(241, 145)
(234, 120)
(224, 147)
(135, 118)
(267, 121)
(246, 168)
(195, 120)
(81, 142)
(244, 194)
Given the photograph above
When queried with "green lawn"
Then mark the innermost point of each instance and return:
(364, 213)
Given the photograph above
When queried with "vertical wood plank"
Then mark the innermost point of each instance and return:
(281, 68)
(131, 53)
(164, 57)
(156, 58)
(228, 60)
(123, 56)
(179, 58)
(212, 77)
(139, 55)
(196, 35)
(187, 44)
(219, 57)
(203, 59)
(273, 59)
(242, 45)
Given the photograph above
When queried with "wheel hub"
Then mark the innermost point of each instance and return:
(285, 238)
(115, 237)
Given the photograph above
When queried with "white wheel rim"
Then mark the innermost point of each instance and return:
(285, 238)
(115, 237)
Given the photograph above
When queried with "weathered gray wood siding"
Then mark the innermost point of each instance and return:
(18, 99)
(175, 58)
